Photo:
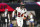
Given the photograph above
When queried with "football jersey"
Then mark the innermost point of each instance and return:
(20, 11)
(25, 15)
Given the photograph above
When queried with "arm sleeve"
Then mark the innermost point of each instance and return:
(17, 8)
(25, 10)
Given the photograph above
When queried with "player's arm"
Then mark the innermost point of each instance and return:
(16, 9)
(25, 13)
(25, 10)
(16, 12)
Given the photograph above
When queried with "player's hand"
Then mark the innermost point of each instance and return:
(24, 18)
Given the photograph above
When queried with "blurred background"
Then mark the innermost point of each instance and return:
(18, 1)
(31, 5)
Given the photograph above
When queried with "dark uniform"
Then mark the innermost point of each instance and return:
(0, 21)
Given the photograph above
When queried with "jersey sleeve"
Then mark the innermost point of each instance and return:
(25, 10)
(25, 15)
(17, 8)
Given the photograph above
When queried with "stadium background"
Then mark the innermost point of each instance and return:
(30, 6)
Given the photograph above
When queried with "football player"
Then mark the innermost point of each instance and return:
(20, 15)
